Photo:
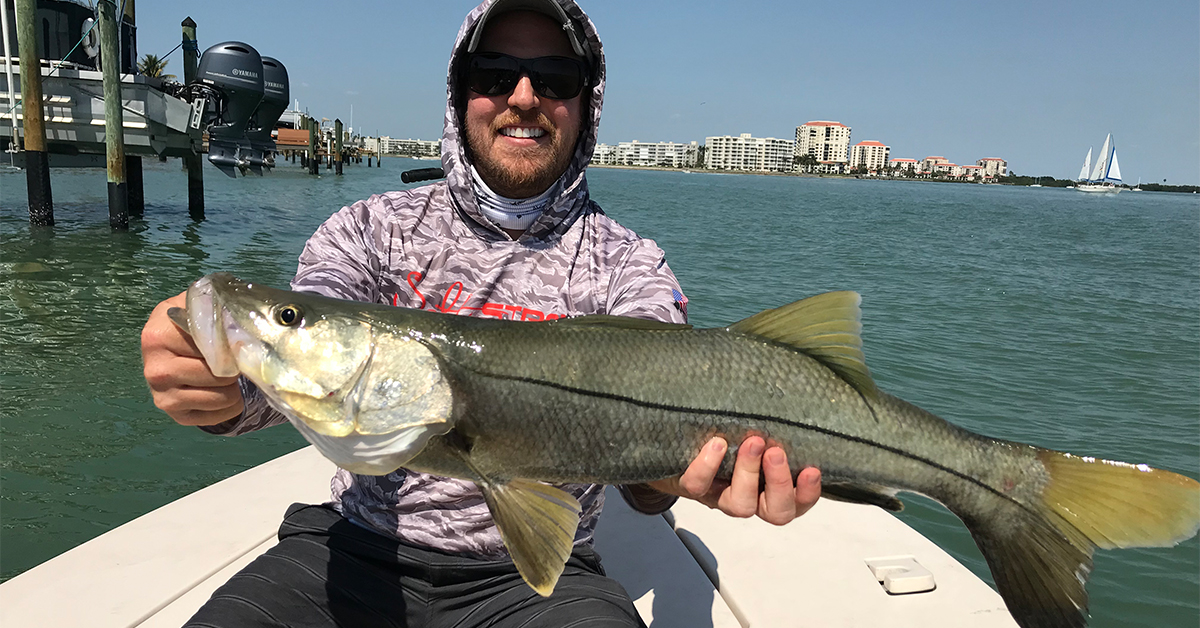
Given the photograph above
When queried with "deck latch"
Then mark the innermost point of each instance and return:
(901, 574)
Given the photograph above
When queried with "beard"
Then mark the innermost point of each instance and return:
(519, 172)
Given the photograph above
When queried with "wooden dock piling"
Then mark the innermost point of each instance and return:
(313, 161)
(114, 131)
(337, 145)
(37, 164)
(195, 167)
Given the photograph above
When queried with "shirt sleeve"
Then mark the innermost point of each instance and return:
(643, 286)
(340, 260)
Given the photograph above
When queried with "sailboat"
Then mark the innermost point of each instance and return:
(1105, 175)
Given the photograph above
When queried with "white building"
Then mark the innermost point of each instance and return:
(945, 169)
(927, 164)
(974, 173)
(901, 164)
(415, 148)
(870, 154)
(604, 155)
(762, 154)
(824, 140)
(662, 154)
(993, 167)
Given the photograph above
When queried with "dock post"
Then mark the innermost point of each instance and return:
(313, 161)
(193, 161)
(337, 144)
(114, 131)
(37, 163)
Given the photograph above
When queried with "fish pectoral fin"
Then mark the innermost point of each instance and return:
(826, 327)
(861, 493)
(537, 523)
(179, 316)
(619, 322)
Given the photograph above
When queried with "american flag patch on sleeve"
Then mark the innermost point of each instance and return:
(680, 301)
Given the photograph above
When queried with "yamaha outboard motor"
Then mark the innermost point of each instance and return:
(275, 101)
(231, 77)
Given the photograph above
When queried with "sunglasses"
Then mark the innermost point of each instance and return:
(495, 74)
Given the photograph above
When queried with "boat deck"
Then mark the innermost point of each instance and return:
(692, 567)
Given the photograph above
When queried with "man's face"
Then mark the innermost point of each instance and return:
(510, 163)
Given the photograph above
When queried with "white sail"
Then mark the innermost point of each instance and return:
(1114, 171)
(1102, 160)
(1087, 163)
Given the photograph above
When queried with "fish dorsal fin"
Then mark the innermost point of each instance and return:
(825, 327)
(618, 322)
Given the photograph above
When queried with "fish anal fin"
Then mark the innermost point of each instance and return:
(537, 523)
(179, 316)
(617, 322)
(826, 327)
(861, 494)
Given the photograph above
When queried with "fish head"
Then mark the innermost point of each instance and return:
(368, 398)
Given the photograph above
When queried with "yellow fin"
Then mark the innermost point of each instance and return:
(826, 327)
(537, 523)
(1116, 504)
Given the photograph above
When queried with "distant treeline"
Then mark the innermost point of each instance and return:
(1051, 182)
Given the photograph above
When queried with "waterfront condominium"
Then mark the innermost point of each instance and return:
(762, 154)
(903, 163)
(993, 167)
(870, 154)
(929, 164)
(662, 154)
(824, 140)
(416, 148)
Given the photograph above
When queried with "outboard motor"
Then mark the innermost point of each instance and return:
(231, 79)
(275, 101)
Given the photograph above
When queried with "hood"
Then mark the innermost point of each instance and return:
(569, 193)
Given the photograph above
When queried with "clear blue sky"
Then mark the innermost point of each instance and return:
(1034, 83)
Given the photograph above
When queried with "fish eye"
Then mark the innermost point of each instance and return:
(289, 315)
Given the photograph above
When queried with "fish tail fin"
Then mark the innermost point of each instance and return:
(1040, 551)
(537, 523)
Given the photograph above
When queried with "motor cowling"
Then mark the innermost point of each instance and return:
(233, 73)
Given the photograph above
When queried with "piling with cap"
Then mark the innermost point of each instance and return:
(37, 163)
(114, 131)
(193, 162)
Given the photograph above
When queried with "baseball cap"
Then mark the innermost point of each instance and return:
(549, 8)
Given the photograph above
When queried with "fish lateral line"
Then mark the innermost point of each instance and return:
(760, 417)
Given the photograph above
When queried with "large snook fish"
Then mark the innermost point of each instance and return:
(601, 399)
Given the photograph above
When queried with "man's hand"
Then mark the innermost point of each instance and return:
(778, 503)
(178, 376)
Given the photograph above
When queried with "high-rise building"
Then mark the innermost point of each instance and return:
(763, 154)
(870, 154)
(824, 140)
(664, 154)
(993, 167)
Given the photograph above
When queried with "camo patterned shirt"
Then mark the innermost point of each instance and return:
(432, 248)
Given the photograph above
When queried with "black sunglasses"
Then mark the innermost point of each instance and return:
(494, 74)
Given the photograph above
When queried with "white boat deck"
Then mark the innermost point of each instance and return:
(155, 571)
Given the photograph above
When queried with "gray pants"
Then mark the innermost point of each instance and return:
(328, 572)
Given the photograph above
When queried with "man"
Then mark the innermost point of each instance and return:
(511, 233)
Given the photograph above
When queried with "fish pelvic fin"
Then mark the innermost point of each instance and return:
(862, 493)
(1040, 552)
(826, 327)
(537, 523)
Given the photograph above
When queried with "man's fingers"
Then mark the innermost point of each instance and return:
(741, 498)
(808, 489)
(698, 478)
(777, 503)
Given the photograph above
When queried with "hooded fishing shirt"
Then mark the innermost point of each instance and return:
(432, 248)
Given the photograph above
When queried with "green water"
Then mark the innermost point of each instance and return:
(1039, 315)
